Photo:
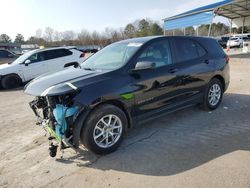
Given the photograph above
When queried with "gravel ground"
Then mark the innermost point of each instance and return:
(190, 148)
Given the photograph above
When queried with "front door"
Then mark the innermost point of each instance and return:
(36, 67)
(155, 87)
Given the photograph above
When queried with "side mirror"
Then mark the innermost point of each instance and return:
(75, 64)
(27, 62)
(144, 65)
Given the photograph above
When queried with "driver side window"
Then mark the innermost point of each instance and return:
(158, 53)
(36, 57)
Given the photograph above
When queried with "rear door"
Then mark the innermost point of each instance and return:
(58, 58)
(193, 68)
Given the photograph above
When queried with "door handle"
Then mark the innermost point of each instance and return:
(173, 70)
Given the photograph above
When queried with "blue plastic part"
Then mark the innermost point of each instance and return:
(61, 113)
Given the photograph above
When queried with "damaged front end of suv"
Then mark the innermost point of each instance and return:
(58, 113)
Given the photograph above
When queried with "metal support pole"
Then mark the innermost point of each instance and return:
(184, 30)
(210, 26)
(242, 30)
(231, 24)
(197, 30)
(164, 30)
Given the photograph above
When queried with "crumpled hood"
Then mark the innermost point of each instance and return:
(61, 82)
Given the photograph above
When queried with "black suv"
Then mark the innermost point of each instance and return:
(125, 83)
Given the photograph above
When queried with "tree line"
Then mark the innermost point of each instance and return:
(51, 37)
(139, 28)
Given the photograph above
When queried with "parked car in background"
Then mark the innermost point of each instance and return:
(7, 56)
(126, 82)
(236, 41)
(223, 41)
(35, 63)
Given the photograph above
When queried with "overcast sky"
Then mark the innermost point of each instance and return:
(26, 16)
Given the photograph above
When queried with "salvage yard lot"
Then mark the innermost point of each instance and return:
(189, 148)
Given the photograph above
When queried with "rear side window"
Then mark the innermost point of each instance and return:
(212, 47)
(200, 49)
(186, 49)
(52, 54)
(63, 52)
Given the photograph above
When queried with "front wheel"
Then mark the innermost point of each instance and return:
(11, 81)
(104, 129)
(213, 95)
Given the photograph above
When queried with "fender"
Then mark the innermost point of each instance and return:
(78, 124)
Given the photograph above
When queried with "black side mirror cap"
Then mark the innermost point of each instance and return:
(143, 65)
(75, 64)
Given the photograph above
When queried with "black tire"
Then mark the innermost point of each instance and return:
(206, 105)
(87, 132)
(11, 81)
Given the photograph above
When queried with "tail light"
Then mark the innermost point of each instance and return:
(82, 55)
(227, 58)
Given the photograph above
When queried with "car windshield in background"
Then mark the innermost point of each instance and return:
(112, 57)
(234, 39)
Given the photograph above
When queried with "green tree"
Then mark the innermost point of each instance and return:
(5, 38)
(143, 28)
(190, 31)
(35, 40)
(19, 38)
(155, 29)
(239, 30)
(130, 31)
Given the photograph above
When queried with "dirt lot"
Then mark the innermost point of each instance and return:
(190, 148)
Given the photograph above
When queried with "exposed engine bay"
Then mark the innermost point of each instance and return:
(56, 114)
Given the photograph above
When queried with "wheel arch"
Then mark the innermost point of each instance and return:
(118, 104)
(85, 113)
(222, 80)
(14, 74)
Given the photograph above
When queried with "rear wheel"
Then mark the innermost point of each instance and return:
(11, 81)
(104, 129)
(213, 95)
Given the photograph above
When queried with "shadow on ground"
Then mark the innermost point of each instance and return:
(179, 141)
(11, 90)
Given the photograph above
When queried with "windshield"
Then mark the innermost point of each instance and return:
(23, 57)
(112, 57)
(234, 38)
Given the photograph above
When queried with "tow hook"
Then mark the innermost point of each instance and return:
(52, 150)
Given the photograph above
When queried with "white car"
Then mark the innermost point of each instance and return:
(37, 62)
(236, 41)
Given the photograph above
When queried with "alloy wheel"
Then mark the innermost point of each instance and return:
(107, 131)
(214, 94)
